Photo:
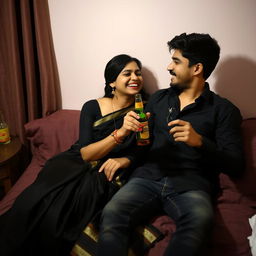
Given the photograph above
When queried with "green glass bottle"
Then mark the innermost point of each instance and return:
(143, 137)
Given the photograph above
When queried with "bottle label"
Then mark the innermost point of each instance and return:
(144, 134)
(139, 105)
(4, 135)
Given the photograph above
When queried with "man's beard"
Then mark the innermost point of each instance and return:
(180, 86)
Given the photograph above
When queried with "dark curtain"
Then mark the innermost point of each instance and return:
(29, 81)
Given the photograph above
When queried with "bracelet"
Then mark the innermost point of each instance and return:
(117, 140)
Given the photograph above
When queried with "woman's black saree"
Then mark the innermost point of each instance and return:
(48, 216)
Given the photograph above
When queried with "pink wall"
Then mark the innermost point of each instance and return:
(87, 33)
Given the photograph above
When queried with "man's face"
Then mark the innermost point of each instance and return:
(181, 73)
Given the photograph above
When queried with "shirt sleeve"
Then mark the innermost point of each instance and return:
(226, 152)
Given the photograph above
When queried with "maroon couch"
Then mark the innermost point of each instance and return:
(55, 133)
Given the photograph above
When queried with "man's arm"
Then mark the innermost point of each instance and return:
(226, 151)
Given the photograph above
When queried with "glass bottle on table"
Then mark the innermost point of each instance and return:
(143, 137)
(4, 131)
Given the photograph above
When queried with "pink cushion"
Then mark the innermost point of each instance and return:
(53, 134)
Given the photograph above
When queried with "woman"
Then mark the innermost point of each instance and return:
(47, 218)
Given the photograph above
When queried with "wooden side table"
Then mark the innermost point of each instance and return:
(9, 163)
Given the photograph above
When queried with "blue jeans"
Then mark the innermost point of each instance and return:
(141, 198)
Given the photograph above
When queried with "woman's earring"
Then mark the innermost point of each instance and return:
(113, 90)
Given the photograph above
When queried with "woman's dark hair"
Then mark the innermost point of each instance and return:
(197, 48)
(113, 69)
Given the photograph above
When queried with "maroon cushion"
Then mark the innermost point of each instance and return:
(167, 227)
(236, 190)
(231, 229)
(53, 134)
(247, 184)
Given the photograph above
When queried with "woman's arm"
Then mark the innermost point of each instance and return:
(112, 165)
(97, 150)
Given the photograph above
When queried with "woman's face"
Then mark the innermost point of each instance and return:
(129, 81)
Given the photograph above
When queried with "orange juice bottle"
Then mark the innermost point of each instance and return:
(4, 131)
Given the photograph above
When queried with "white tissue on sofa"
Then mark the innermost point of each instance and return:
(252, 238)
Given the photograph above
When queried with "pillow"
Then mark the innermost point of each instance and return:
(243, 188)
(46, 134)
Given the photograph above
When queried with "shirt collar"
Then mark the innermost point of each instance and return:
(206, 94)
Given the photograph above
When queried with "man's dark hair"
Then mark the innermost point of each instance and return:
(113, 69)
(197, 48)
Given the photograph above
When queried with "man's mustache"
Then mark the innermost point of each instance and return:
(172, 73)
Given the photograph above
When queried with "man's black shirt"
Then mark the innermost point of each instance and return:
(216, 119)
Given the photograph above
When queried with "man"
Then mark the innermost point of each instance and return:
(195, 135)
